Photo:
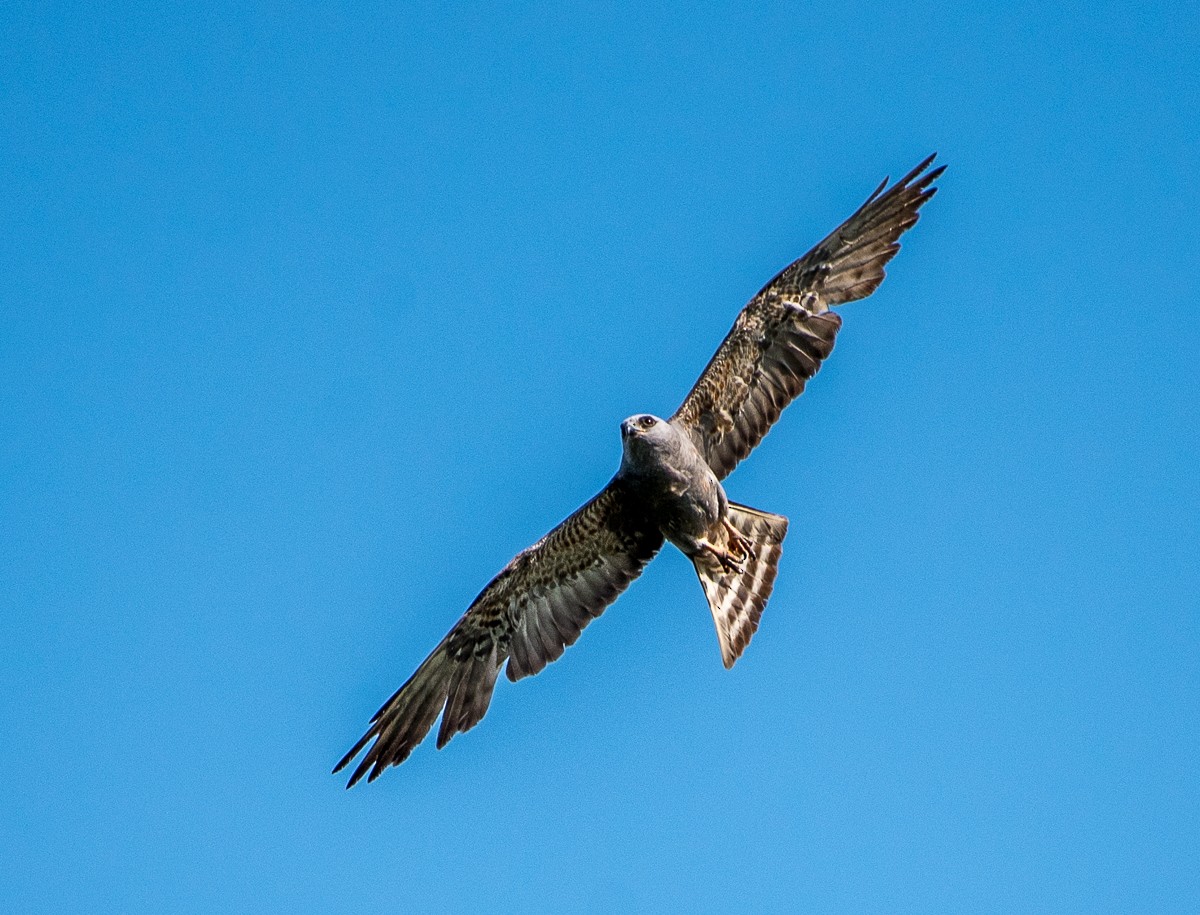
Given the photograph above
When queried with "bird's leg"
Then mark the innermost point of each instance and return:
(728, 560)
(742, 545)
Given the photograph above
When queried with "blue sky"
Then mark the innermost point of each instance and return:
(313, 317)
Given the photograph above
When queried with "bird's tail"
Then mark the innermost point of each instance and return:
(737, 598)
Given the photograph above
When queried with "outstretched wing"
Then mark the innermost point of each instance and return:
(781, 337)
(528, 614)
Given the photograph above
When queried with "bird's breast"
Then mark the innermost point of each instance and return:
(686, 501)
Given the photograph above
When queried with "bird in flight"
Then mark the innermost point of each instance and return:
(668, 487)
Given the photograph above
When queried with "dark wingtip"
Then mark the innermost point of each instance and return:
(359, 773)
(925, 163)
(933, 176)
(354, 751)
(875, 193)
(923, 184)
(884, 190)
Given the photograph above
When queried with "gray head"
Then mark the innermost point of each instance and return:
(647, 440)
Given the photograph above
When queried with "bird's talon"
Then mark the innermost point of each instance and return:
(731, 563)
(744, 546)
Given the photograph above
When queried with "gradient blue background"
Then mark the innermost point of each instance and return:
(313, 317)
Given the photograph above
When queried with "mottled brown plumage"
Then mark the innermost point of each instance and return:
(528, 614)
(786, 331)
(666, 489)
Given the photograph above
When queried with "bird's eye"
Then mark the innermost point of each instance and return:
(646, 422)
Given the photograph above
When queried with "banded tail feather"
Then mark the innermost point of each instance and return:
(737, 599)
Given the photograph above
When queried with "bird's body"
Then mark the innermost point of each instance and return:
(668, 489)
(663, 468)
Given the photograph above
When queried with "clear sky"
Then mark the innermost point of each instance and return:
(310, 318)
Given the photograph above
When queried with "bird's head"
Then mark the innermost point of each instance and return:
(645, 437)
(643, 425)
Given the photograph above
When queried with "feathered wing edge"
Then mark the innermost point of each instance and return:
(848, 264)
(528, 614)
(786, 331)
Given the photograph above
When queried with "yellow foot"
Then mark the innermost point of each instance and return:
(743, 546)
(728, 561)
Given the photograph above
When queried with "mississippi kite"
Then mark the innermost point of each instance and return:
(667, 488)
